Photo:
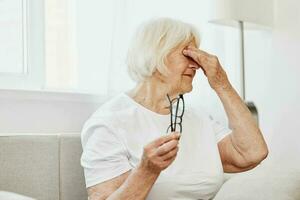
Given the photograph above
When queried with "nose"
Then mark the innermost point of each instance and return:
(193, 66)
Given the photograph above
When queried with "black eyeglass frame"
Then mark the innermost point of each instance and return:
(173, 124)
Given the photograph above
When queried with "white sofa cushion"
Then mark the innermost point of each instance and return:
(263, 183)
(72, 185)
(45, 167)
(30, 165)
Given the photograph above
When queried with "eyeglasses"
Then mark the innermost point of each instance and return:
(176, 113)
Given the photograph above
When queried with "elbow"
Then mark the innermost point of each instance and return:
(256, 157)
(257, 153)
(261, 155)
(262, 152)
(265, 152)
(251, 159)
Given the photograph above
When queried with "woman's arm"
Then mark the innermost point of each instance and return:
(245, 147)
(136, 184)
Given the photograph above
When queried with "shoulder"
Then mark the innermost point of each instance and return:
(114, 105)
(110, 110)
(107, 117)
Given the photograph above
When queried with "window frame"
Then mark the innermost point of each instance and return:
(33, 70)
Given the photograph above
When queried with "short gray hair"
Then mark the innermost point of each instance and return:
(153, 41)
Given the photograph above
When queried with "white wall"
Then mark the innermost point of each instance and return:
(273, 70)
(45, 112)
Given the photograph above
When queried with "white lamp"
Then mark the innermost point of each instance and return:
(256, 13)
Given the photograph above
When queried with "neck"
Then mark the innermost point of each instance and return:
(152, 94)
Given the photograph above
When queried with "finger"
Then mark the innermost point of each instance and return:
(195, 53)
(196, 67)
(197, 56)
(158, 142)
(199, 50)
(170, 154)
(169, 161)
(178, 134)
(166, 147)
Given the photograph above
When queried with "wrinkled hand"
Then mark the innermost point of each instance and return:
(160, 153)
(211, 67)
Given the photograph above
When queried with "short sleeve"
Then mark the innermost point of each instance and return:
(104, 156)
(220, 129)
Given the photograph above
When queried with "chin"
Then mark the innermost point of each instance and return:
(187, 88)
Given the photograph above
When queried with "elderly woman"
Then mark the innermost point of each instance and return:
(139, 145)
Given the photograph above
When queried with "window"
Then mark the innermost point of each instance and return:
(21, 33)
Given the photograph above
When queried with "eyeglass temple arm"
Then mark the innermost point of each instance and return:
(172, 128)
(176, 115)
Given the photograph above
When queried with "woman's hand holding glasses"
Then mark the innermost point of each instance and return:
(160, 153)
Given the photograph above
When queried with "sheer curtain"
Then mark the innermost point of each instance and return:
(60, 45)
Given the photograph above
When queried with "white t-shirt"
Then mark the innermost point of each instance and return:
(114, 136)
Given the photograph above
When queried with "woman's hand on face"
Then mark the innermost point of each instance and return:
(160, 153)
(210, 65)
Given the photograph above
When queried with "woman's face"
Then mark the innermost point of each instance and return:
(182, 70)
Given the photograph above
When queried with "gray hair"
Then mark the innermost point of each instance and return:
(153, 41)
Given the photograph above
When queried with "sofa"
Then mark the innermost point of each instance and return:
(42, 166)
(47, 167)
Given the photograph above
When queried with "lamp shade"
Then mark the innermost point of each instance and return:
(255, 12)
